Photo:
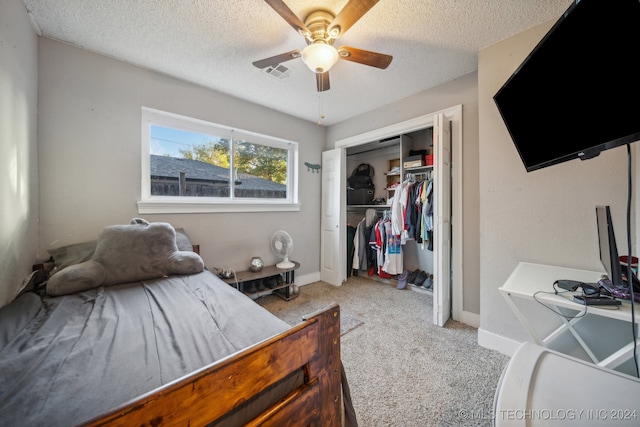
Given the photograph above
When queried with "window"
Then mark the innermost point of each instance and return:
(190, 165)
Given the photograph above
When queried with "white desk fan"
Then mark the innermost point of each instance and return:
(282, 246)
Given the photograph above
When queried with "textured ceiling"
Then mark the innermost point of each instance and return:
(213, 43)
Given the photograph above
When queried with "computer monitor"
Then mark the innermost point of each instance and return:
(609, 256)
(608, 248)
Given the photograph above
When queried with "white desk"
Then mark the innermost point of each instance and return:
(528, 279)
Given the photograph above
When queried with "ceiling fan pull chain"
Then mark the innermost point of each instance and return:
(320, 108)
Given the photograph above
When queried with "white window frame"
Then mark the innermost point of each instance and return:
(149, 204)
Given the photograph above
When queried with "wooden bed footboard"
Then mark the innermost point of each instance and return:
(207, 395)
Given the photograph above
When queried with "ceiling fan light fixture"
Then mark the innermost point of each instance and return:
(319, 57)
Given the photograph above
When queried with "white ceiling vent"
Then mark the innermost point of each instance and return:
(279, 71)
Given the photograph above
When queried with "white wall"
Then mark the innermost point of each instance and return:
(18, 147)
(546, 216)
(89, 126)
(459, 91)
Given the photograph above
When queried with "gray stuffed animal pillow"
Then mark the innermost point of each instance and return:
(127, 253)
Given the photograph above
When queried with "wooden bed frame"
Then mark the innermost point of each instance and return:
(215, 390)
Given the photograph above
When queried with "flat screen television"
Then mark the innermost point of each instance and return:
(578, 92)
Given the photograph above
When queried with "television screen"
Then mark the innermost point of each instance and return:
(578, 92)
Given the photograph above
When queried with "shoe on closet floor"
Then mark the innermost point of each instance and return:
(428, 283)
(411, 278)
(402, 279)
(420, 278)
(383, 274)
(372, 270)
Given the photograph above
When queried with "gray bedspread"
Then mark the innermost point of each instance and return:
(66, 359)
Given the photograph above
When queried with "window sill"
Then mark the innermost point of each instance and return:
(201, 206)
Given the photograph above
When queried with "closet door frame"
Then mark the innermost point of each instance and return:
(454, 114)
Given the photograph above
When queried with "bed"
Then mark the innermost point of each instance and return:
(179, 349)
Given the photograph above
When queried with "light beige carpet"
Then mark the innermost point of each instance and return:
(294, 311)
(402, 369)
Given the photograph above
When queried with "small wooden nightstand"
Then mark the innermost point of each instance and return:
(283, 290)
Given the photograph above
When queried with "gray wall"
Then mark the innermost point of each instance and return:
(546, 216)
(18, 147)
(459, 91)
(89, 157)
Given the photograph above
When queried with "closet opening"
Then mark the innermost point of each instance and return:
(390, 210)
(388, 144)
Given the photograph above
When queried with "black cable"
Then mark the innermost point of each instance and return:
(559, 293)
(630, 261)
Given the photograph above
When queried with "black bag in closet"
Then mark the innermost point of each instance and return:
(361, 177)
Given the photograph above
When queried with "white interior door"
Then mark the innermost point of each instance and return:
(442, 221)
(333, 246)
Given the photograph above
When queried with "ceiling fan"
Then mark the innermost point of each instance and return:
(320, 29)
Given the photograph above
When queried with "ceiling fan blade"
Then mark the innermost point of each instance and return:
(349, 15)
(322, 81)
(278, 59)
(288, 15)
(373, 59)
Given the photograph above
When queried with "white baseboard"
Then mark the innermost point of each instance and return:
(470, 319)
(497, 342)
(305, 279)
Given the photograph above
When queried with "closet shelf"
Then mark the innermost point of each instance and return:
(359, 207)
(419, 168)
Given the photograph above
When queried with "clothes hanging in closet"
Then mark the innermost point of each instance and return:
(362, 256)
(398, 208)
(351, 234)
(413, 221)
(387, 247)
(412, 211)
(393, 251)
(427, 216)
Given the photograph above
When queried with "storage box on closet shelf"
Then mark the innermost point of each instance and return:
(414, 161)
